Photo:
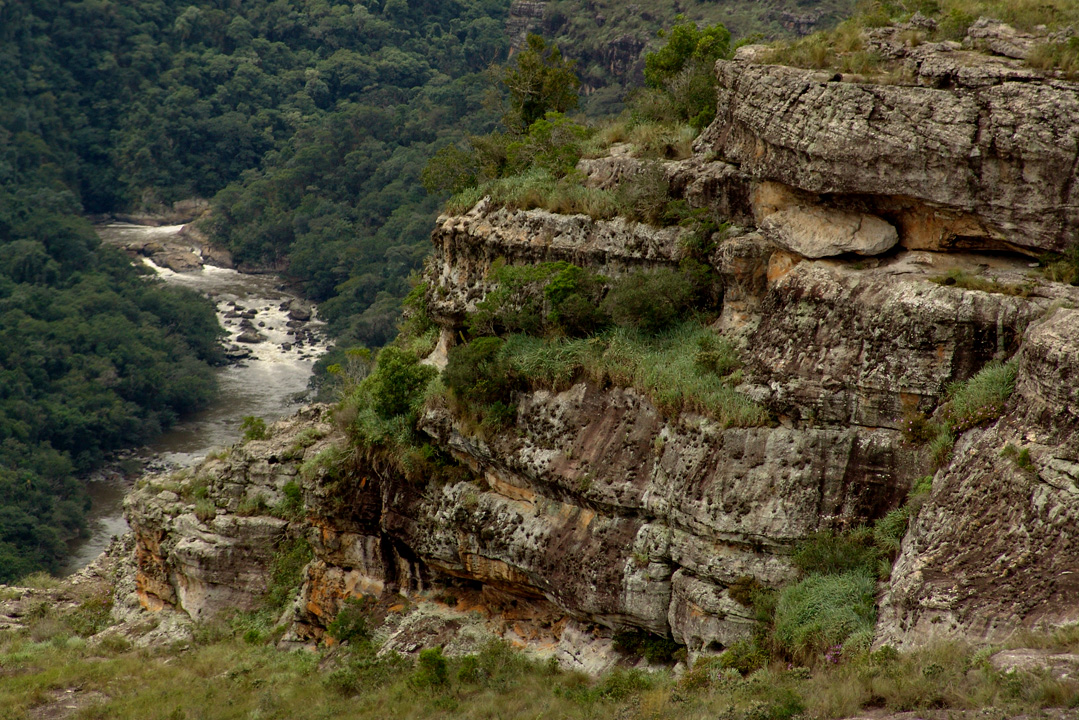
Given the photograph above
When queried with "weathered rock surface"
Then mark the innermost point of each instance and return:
(990, 166)
(467, 245)
(816, 232)
(841, 345)
(205, 541)
(994, 548)
(598, 512)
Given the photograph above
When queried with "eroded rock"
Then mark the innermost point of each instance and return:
(999, 160)
(816, 232)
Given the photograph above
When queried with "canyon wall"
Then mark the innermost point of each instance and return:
(597, 511)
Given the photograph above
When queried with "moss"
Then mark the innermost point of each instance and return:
(967, 281)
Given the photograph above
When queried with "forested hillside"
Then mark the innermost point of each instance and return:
(320, 116)
(93, 356)
(317, 117)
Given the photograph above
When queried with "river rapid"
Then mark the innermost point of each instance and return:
(268, 383)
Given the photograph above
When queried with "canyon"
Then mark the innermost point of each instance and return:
(854, 207)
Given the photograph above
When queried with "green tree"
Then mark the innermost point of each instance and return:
(539, 81)
(680, 74)
(398, 382)
(686, 44)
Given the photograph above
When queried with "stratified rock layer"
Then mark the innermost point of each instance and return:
(990, 166)
(995, 547)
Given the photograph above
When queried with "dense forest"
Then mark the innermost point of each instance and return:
(310, 121)
(93, 356)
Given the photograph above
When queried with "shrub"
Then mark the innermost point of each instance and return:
(1021, 458)
(686, 43)
(888, 532)
(350, 624)
(535, 298)
(291, 505)
(478, 374)
(574, 296)
(417, 322)
(364, 672)
(398, 383)
(745, 656)
(254, 428)
(620, 684)
(539, 81)
(553, 143)
(823, 611)
(649, 300)
(744, 589)
(432, 670)
(683, 70)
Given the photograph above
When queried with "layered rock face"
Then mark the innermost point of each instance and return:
(995, 547)
(597, 512)
(987, 161)
(206, 538)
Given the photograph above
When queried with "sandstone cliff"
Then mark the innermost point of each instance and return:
(598, 511)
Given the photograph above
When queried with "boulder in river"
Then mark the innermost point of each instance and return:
(179, 261)
(298, 311)
(250, 336)
(218, 257)
(235, 352)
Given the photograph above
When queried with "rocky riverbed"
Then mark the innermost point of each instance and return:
(274, 339)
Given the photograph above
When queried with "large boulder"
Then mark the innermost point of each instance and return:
(816, 232)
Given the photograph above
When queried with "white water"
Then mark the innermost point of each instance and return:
(268, 384)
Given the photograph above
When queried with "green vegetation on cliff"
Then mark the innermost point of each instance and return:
(844, 47)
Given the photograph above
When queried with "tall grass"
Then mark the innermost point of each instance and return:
(823, 613)
(538, 188)
(232, 672)
(982, 398)
(665, 368)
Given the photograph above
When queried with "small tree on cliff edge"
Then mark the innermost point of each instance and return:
(539, 81)
(679, 75)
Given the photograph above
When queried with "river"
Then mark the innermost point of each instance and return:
(269, 383)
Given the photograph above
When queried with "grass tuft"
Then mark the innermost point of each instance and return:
(981, 399)
(667, 368)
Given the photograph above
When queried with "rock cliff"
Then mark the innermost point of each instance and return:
(597, 511)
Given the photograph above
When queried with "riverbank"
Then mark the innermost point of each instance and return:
(274, 339)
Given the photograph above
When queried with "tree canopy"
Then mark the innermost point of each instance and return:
(538, 81)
